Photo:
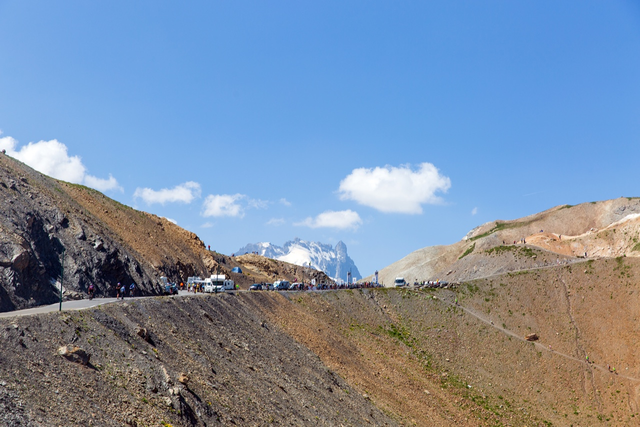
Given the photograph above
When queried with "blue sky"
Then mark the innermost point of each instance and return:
(388, 125)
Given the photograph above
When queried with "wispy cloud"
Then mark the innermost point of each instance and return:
(474, 211)
(347, 219)
(52, 158)
(183, 193)
(258, 204)
(395, 189)
(534, 193)
(276, 222)
(285, 202)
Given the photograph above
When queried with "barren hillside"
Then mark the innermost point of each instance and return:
(182, 361)
(565, 233)
(53, 231)
(426, 357)
(371, 356)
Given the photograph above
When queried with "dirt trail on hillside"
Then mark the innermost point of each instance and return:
(538, 344)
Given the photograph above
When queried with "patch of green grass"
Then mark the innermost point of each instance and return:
(82, 187)
(528, 252)
(636, 248)
(518, 273)
(501, 249)
(472, 288)
(400, 333)
(468, 251)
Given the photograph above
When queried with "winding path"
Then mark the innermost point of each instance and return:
(538, 345)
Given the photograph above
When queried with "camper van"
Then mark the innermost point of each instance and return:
(281, 285)
(218, 283)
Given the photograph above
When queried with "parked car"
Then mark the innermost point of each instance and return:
(255, 287)
(268, 286)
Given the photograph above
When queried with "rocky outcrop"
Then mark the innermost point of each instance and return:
(54, 234)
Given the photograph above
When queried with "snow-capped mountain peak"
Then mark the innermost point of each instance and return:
(335, 262)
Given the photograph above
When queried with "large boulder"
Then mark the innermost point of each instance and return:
(74, 354)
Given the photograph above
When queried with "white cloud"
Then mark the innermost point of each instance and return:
(223, 205)
(102, 184)
(285, 202)
(276, 221)
(391, 189)
(183, 193)
(474, 211)
(52, 158)
(207, 225)
(171, 220)
(334, 219)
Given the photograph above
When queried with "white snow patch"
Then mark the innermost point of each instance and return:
(297, 255)
(627, 218)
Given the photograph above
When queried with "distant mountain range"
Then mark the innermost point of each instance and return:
(335, 262)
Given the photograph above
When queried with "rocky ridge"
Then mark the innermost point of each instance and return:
(563, 234)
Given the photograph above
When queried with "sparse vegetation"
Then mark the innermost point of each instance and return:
(468, 251)
(497, 250)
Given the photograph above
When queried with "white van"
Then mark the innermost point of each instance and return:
(218, 283)
(400, 282)
(281, 285)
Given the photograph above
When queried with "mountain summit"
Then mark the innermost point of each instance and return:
(335, 262)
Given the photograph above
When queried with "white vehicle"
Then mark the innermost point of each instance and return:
(218, 283)
(281, 285)
(400, 282)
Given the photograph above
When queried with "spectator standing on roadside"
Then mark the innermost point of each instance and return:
(118, 290)
(132, 289)
(122, 291)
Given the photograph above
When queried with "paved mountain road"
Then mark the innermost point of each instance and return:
(73, 305)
